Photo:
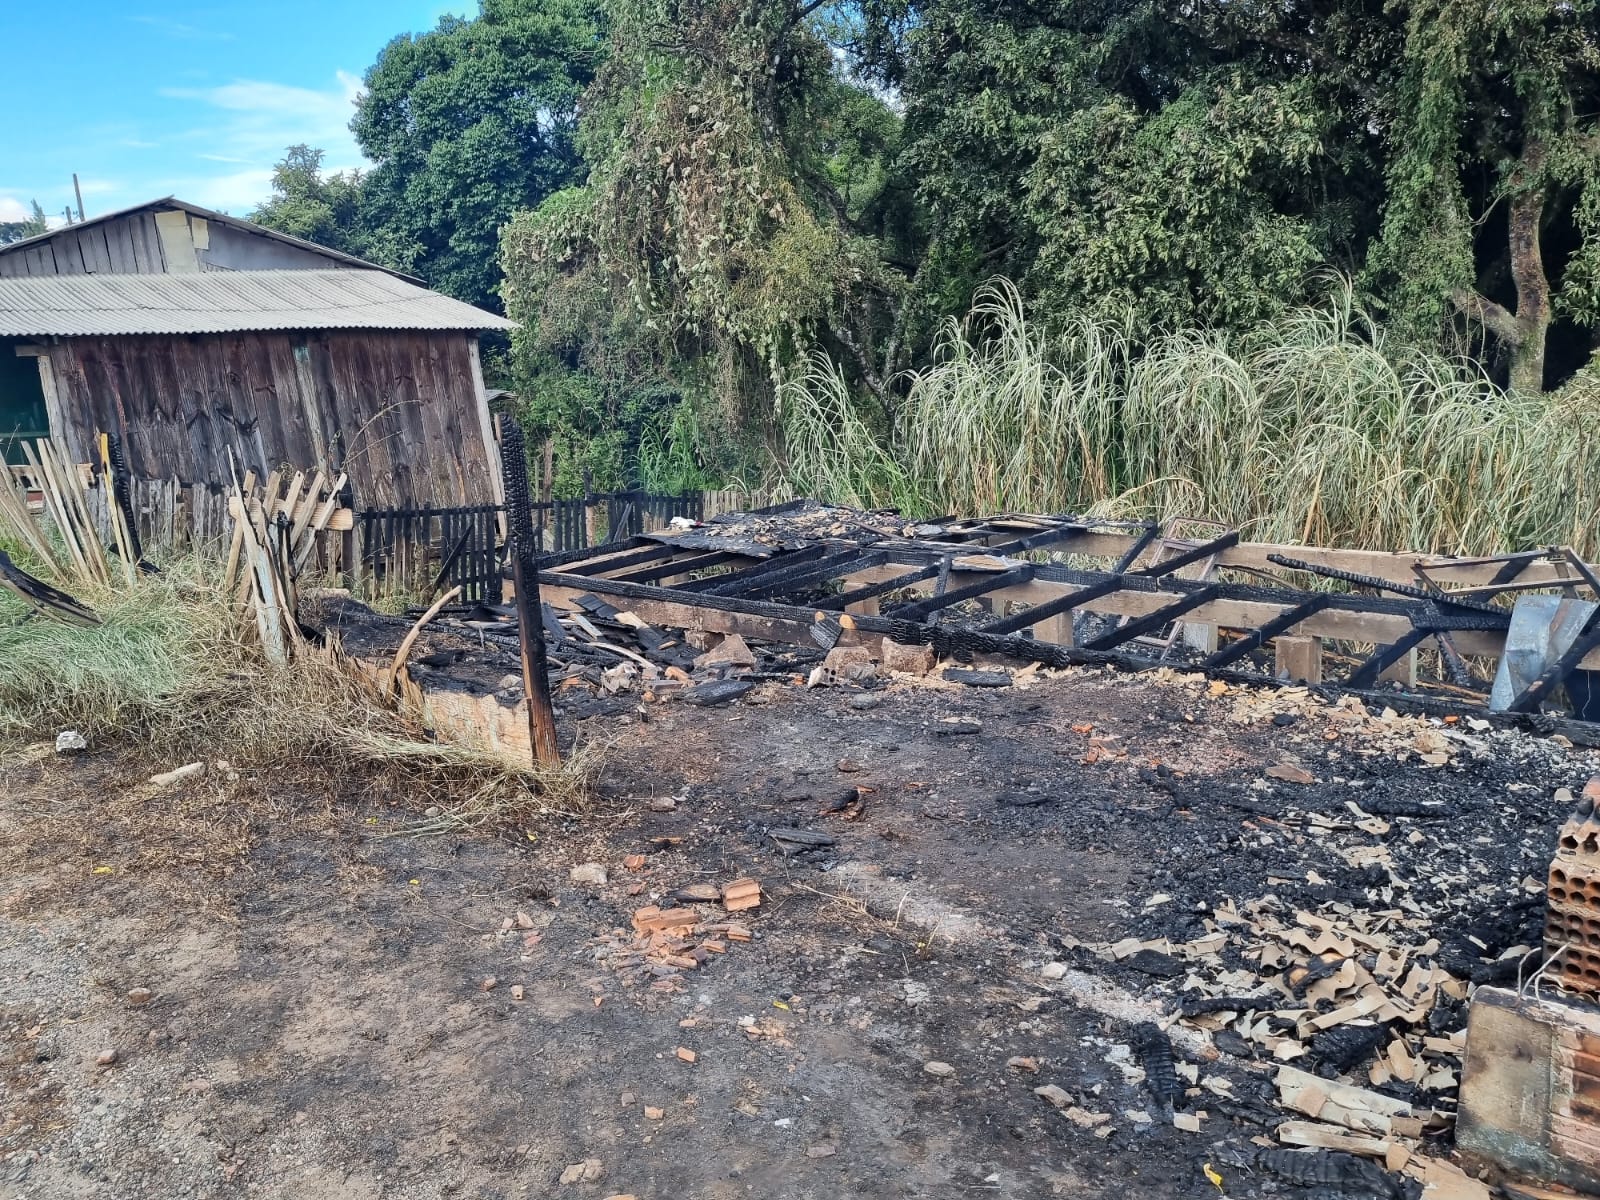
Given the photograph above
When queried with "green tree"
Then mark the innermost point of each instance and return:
(467, 124)
(1200, 164)
(15, 231)
(310, 205)
(738, 212)
(1493, 204)
(1187, 167)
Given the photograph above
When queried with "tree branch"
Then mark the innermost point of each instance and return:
(1496, 318)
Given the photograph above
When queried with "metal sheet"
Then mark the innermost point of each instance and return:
(228, 302)
(1542, 629)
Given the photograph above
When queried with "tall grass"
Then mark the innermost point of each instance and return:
(1316, 427)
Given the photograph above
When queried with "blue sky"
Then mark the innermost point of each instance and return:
(198, 102)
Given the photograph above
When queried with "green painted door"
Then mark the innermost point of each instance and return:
(22, 410)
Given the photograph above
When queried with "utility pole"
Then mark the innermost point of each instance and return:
(78, 192)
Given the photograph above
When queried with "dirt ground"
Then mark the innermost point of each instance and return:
(319, 1027)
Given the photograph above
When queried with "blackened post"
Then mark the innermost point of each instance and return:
(525, 576)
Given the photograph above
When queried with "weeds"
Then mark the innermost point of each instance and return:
(174, 671)
(1315, 428)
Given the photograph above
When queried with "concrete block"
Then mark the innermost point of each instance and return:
(909, 660)
(1530, 1088)
(1299, 659)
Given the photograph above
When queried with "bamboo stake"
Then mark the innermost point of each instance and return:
(54, 503)
(78, 506)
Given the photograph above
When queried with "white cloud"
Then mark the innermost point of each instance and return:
(250, 123)
(12, 209)
(182, 30)
(254, 116)
(236, 193)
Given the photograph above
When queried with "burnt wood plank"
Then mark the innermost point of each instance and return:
(873, 590)
(1256, 638)
(1053, 608)
(921, 609)
(1201, 552)
(1153, 621)
(738, 579)
(1367, 674)
(775, 573)
(679, 566)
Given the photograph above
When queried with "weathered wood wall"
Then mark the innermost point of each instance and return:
(152, 242)
(398, 412)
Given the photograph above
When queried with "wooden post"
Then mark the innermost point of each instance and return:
(1198, 635)
(1056, 629)
(1299, 658)
(530, 612)
(1403, 672)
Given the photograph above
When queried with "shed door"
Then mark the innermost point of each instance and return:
(22, 411)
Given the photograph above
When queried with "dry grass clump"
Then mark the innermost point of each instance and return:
(1315, 428)
(174, 674)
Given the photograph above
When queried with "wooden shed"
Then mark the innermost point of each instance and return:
(206, 372)
(169, 237)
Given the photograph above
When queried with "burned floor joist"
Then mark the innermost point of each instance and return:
(960, 588)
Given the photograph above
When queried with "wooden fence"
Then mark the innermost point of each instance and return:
(415, 550)
(397, 550)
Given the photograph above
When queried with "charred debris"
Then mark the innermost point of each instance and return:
(789, 586)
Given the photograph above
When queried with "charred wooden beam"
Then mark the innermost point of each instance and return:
(1063, 532)
(779, 574)
(808, 575)
(586, 554)
(678, 566)
(1053, 608)
(872, 591)
(1125, 563)
(1384, 585)
(592, 563)
(525, 573)
(1200, 553)
(921, 609)
(1367, 674)
(1257, 638)
(1156, 620)
(735, 580)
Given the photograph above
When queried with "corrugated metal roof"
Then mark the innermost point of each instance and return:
(172, 202)
(227, 302)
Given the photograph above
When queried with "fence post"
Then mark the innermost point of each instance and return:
(588, 510)
(530, 611)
